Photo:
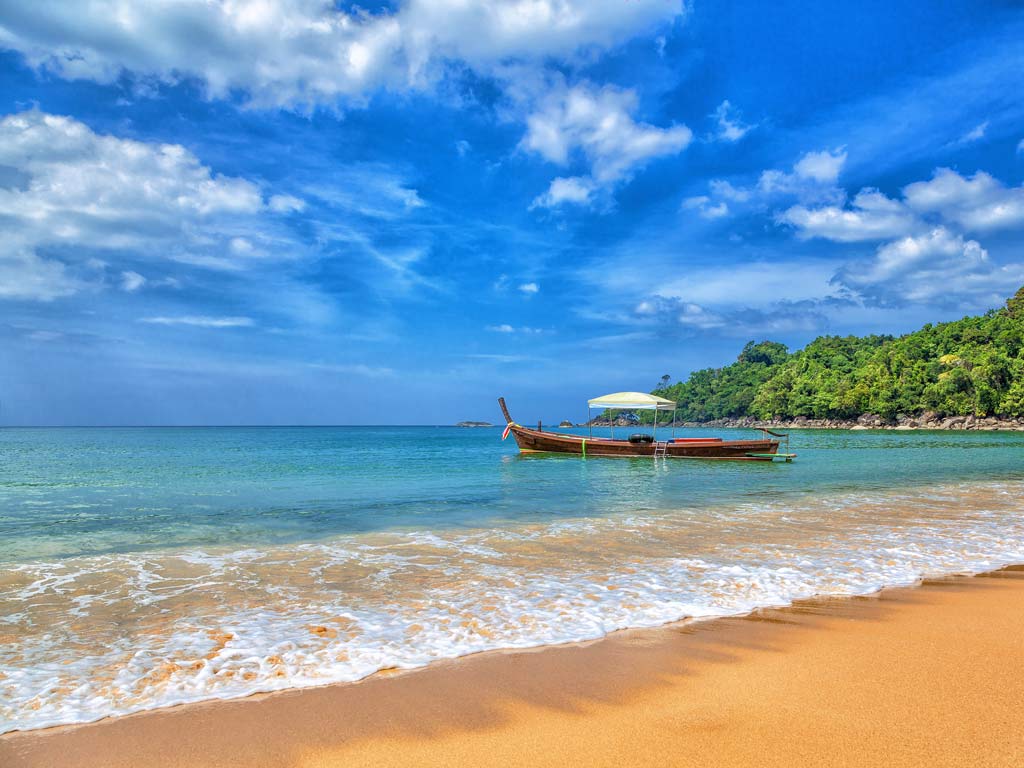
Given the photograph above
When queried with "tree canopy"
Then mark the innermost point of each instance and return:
(971, 366)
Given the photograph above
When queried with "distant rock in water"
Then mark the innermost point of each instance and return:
(474, 424)
(565, 423)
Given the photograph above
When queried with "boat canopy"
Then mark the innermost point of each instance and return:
(632, 401)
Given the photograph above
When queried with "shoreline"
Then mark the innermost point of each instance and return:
(923, 423)
(616, 671)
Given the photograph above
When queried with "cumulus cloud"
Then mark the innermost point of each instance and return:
(201, 321)
(529, 288)
(937, 266)
(927, 258)
(821, 166)
(80, 192)
(812, 180)
(977, 203)
(596, 124)
(311, 52)
(730, 127)
(870, 216)
(576, 190)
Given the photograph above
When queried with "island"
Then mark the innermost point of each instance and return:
(474, 424)
(964, 374)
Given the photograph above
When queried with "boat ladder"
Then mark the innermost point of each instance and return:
(661, 449)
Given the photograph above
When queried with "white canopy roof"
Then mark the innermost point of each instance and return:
(632, 401)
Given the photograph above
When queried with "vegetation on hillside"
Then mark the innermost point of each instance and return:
(972, 366)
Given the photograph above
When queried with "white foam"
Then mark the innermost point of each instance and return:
(109, 635)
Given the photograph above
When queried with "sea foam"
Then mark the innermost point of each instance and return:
(89, 637)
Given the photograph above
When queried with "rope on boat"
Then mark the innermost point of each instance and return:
(584, 447)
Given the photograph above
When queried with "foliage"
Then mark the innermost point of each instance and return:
(970, 366)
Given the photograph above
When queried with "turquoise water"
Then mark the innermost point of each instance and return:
(67, 492)
(146, 567)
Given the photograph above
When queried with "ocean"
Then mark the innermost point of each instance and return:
(141, 568)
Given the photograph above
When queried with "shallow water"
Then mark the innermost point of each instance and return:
(145, 567)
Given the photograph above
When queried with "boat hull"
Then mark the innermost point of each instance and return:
(536, 441)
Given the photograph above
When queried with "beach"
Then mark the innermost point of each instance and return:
(178, 571)
(913, 676)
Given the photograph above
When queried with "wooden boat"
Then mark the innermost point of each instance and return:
(539, 441)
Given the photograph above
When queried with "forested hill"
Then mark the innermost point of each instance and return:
(973, 366)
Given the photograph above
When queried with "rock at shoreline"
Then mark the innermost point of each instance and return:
(474, 424)
(565, 423)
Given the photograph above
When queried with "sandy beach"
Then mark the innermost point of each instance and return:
(922, 676)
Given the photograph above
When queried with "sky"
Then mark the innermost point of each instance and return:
(306, 212)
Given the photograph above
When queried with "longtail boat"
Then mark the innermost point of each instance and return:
(539, 441)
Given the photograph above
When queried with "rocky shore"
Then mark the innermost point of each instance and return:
(927, 420)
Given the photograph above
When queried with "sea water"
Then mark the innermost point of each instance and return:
(141, 568)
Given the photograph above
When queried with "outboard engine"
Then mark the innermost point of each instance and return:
(641, 438)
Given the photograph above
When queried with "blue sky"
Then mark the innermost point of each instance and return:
(302, 212)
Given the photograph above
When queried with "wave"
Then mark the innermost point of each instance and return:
(90, 637)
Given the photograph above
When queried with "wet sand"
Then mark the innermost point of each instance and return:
(912, 677)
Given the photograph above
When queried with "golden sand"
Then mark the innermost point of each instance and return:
(916, 677)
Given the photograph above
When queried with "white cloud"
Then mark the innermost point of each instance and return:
(131, 281)
(698, 317)
(976, 203)
(978, 132)
(703, 205)
(374, 190)
(45, 336)
(775, 317)
(723, 189)
(730, 127)
(529, 288)
(24, 275)
(812, 181)
(84, 192)
(1020, 146)
(506, 328)
(597, 124)
(821, 166)
(201, 321)
(286, 204)
(871, 216)
(938, 266)
(813, 178)
(463, 147)
(576, 190)
(309, 52)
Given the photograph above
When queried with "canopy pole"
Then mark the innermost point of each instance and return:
(590, 421)
(655, 435)
(674, 411)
